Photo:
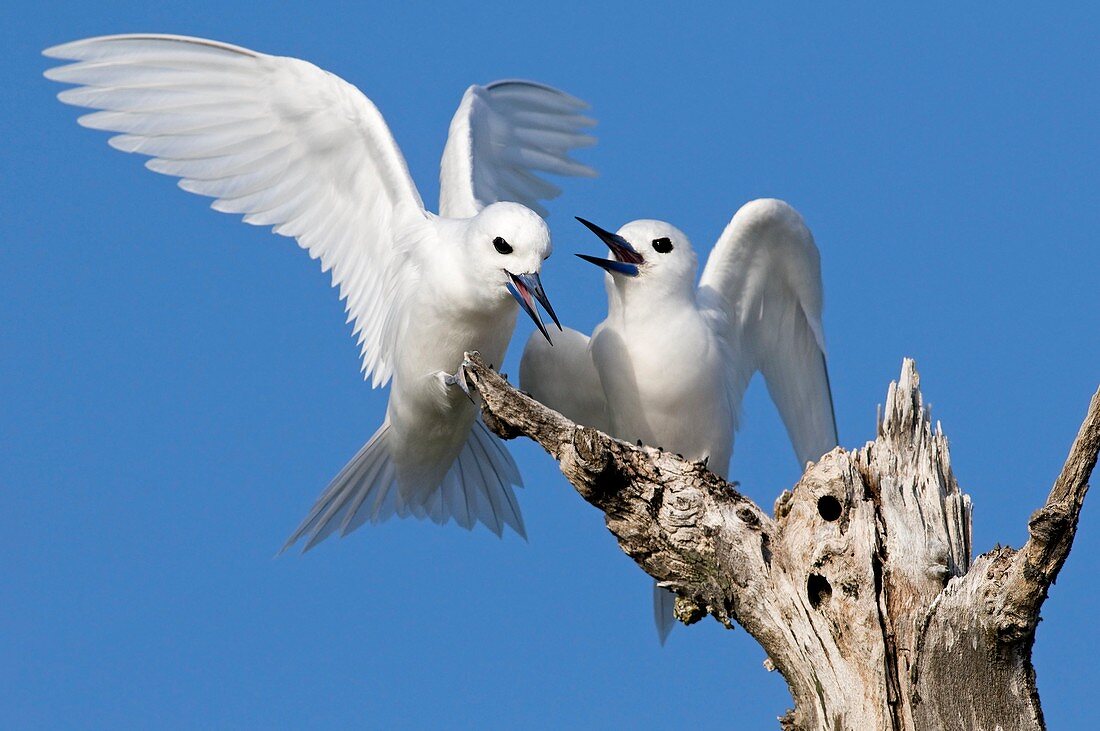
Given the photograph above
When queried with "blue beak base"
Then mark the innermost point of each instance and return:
(612, 265)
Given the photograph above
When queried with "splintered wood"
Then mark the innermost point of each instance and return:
(860, 587)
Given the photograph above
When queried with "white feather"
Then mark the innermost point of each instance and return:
(160, 91)
(763, 280)
(501, 134)
(564, 378)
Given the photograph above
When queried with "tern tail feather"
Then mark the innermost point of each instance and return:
(477, 488)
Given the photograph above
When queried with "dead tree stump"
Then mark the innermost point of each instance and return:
(860, 587)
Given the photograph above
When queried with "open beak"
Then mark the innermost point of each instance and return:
(527, 288)
(626, 259)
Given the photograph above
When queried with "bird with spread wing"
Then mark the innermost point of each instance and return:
(294, 147)
(670, 364)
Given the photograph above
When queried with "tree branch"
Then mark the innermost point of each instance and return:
(1052, 529)
(681, 523)
(802, 583)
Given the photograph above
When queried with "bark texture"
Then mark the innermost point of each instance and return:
(860, 586)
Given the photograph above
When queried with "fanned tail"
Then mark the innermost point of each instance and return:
(477, 488)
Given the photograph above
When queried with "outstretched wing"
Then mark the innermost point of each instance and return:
(501, 137)
(565, 378)
(762, 283)
(276, 139)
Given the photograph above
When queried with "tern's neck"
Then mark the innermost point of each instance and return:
(645, 300)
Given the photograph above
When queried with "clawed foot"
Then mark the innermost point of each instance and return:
(459, 379)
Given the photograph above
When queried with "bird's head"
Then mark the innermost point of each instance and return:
(506, 244)
(646, 253)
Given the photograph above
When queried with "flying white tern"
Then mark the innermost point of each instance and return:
(292, 146)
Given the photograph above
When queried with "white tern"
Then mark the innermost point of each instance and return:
(292, 146)
(670, 364)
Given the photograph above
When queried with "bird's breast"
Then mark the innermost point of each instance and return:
(438, 333)
(433, 342)
(665, 385)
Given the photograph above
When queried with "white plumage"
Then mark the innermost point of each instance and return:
(671, 362)
(291, 146)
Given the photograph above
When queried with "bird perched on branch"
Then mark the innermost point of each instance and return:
(670, 364)
(297, 148)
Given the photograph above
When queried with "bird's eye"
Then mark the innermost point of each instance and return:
(502, 246)
(662, 245)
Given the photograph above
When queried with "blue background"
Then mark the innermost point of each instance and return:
(175, 387)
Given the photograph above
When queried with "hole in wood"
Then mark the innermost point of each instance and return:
(818, 590)
(829, 507)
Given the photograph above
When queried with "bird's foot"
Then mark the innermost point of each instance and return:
(458, 378)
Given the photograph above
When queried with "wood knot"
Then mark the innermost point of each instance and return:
(498, 426)
(688, 611)
(1014, 627)
(683, 508)
(1049, 521)
(748, 517)
(602, 479)
(591, 450)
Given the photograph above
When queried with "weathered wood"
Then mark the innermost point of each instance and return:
(860, 587)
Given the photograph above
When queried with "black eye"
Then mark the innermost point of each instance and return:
(662, 245)
(502, 246)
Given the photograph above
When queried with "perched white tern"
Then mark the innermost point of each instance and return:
(670, 364)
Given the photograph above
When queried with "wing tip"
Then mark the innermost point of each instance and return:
(54, 72)
(585, 171)
(573, 101)
(58, 51)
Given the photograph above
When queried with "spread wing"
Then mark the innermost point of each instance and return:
(565, 378)
(502, 136)
(762, 283)
(276, 139)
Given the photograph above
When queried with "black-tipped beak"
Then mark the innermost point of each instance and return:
(626, 259)
(527, 288)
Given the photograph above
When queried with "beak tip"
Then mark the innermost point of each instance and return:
(622, 249)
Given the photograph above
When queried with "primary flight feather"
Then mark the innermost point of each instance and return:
(294, 147)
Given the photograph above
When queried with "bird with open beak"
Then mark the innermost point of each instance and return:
(291, 146)
(670, 364)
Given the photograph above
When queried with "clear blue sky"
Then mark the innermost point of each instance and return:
(176, 387)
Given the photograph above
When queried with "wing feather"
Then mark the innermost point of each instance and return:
(762, 285)
(501, 136)
(276, 139)
(564, 377)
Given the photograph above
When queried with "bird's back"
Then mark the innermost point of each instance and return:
(563, 377)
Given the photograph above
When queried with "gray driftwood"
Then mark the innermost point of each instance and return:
(860, 586)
